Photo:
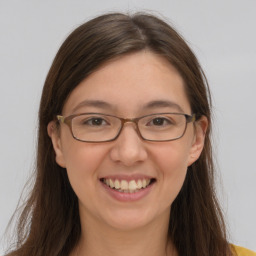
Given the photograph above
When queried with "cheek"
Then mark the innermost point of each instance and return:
(172, 165)
(172, 157)
(82, 161)
(174, 171)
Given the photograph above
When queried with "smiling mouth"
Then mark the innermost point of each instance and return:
(125, 186)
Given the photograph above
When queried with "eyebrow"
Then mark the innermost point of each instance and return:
(151, 105)
(93, 103)
(163, 104)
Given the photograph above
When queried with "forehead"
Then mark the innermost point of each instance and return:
(127, 84)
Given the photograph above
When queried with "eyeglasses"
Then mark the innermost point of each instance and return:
(96, 127)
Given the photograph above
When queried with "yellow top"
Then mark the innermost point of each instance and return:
(242, 251)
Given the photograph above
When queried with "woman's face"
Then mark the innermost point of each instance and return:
(127, 87)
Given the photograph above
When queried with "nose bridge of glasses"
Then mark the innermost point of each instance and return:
(132, 121)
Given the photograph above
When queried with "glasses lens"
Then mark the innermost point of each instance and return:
(95, 127)
(161, 127)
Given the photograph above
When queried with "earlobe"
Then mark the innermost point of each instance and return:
(56, 142)
(201, 126)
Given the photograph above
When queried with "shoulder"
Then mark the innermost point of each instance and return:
(240, 251)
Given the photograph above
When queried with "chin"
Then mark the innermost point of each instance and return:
(128, 220)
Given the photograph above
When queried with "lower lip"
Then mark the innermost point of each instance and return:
(128, 197)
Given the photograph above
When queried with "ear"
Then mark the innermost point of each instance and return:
(54, 134)
(200, 127)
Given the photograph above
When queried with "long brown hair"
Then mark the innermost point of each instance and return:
(49, 224)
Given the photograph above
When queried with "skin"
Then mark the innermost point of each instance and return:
(111, 227)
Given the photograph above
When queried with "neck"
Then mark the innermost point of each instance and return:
(99, 239)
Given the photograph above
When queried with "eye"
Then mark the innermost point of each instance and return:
(159, 121)
(95, 121)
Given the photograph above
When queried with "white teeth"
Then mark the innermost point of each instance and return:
(144, 183)
(132, 185)
(111, 183)
(117, 184)
(139, 184)
(125, 186)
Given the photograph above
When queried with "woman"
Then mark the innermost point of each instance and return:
(124, 163)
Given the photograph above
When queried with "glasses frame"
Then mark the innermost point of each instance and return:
(68, 121)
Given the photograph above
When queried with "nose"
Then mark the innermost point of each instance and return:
(128, 148)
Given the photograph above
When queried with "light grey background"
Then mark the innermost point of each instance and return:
(223, 35)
